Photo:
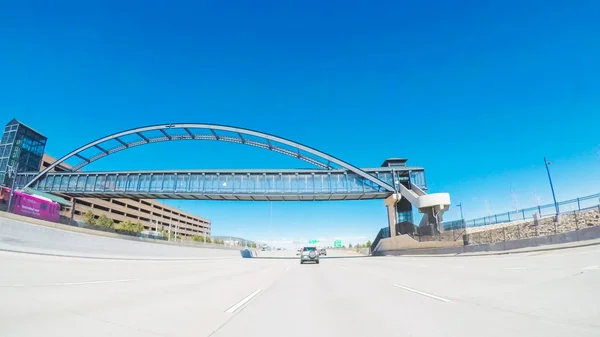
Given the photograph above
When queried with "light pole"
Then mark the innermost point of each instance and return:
(462, 218)
(551, 186)
(12, 173)
(170, 225)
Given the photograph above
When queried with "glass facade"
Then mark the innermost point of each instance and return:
(20, 145)
(404, 210)
(418, 178)
(407, 177)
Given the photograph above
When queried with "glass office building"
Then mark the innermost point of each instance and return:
(21, 147)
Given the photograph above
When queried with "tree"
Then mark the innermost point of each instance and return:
(89, 217)
(130, 227)
(208, 239)
(198, 238)
(349, 245)
(253, 244)
(124, 224)
(164, 232)
(105, 222)
(368, 244)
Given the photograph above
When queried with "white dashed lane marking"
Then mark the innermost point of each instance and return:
(422, 293)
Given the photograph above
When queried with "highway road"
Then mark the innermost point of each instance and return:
(554, 293)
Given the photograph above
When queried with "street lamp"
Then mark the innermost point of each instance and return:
(462, 218)
(12, 173)
(551, 186)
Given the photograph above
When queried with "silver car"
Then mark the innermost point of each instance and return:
(309, 254)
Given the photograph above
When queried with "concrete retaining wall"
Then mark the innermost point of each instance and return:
(405, 241)
(364, 251)
(52, 239)
(583, 234)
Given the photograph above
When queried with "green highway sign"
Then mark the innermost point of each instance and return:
(337, 243)
(313, 242)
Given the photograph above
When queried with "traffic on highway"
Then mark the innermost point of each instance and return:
(182, 291)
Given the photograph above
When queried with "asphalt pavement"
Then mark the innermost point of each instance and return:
(553, 293)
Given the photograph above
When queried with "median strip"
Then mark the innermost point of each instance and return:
(242, 302)
(422, 293)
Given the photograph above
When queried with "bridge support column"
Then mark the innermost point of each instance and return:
(432, 219)
(390, 202)
(73, 205)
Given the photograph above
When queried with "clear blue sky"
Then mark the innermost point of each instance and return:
(476, 93)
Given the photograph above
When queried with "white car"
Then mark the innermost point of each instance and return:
(309, 254)
(297, 251)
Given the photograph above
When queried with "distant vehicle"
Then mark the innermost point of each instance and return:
(309, 254)
(298, 251)
(263, 249)
(323, 252)
(152, 234)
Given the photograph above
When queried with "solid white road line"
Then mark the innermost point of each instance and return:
(11, 285)
(517, 268)
(242, 302)
(344, 267)
(422, 293)
(591, 268)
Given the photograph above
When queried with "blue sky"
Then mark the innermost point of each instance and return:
(476, 93)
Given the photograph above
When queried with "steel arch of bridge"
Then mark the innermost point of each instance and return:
(235, 135)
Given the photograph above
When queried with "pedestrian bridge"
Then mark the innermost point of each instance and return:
(250, 185)
(332, 178)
